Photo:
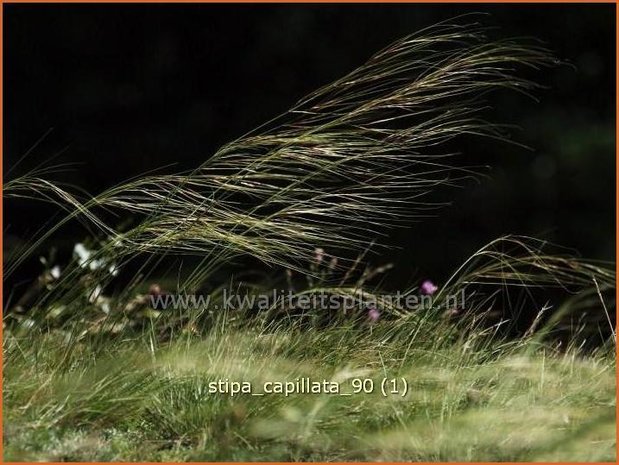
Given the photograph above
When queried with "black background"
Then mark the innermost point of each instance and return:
(131, 88)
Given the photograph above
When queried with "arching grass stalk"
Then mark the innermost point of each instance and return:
(343, 165)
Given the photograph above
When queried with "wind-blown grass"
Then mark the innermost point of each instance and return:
(336, 170)
(93, 376)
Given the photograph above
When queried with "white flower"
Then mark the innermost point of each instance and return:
(82, 253)
(55, 272)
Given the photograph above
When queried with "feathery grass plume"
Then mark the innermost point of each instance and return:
(512, 274)
(344, 163)
(511, 281)
(340, 167)
(35, 186)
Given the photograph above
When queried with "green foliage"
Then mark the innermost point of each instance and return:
(470, 398)
(94, 376)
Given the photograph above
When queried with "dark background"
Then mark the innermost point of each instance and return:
(130, 88)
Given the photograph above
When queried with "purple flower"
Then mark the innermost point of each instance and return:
(319, 254)
(373, 314)
(428, 287)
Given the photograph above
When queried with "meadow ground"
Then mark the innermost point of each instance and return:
(471, 396)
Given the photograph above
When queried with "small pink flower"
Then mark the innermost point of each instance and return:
(155, 289)
(319, 254)
(373, 314)
(428, 287)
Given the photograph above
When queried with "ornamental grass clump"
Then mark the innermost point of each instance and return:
(334, 173)
(506, 373)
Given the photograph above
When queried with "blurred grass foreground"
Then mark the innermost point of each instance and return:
(523, 370)
(470, 398)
